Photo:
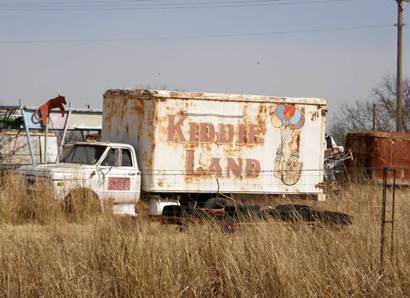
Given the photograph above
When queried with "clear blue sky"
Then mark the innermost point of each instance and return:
(339, 66)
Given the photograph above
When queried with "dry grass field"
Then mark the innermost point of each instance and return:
(42, 254)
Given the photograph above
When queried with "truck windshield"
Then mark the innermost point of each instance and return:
(84, 154)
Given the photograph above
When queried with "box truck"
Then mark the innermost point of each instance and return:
(175, 147)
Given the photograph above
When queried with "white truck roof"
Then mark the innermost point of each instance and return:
(107, 143)
(213, 96)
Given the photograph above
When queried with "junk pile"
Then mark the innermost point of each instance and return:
(334, 162)
(31, 135)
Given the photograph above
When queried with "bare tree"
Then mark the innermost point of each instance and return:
(359, 115)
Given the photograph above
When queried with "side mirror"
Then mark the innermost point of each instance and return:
(92, 174)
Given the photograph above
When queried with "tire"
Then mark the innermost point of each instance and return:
(294, 212)
(242, 212)
(81, 203)
(304, 213)
(335, 218)
(214, 203)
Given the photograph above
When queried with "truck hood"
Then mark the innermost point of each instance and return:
(57, 171)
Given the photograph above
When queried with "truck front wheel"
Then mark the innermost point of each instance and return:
(81, 203)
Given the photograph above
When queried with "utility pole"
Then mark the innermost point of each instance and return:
(399, 88)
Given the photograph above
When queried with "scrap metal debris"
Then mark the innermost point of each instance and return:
(334, 161)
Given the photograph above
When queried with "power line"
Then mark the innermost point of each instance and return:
(154, 3)
(132, 2)
(128, 5)
(193, 37)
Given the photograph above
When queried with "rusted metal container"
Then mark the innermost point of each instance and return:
(208, 143)
(374, 150)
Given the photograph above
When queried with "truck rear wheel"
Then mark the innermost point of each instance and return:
(81, 203)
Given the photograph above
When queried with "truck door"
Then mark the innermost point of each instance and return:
(121, 176)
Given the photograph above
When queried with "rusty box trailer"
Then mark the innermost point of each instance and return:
(374, 150)
(203, 143)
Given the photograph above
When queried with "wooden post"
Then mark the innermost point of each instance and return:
(399, 88)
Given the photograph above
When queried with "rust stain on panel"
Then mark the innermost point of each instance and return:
(315, 115)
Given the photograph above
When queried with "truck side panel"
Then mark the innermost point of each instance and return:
(205, 146)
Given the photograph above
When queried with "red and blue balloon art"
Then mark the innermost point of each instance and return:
(289, 120)
(288, 116)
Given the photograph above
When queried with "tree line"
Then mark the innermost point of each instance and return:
(379, 112)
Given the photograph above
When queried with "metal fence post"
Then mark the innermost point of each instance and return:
(383, 216)
(30, 147)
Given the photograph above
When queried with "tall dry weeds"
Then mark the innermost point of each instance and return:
(19, 205)
(106, 256)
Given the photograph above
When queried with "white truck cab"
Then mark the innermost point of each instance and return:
(109, 170)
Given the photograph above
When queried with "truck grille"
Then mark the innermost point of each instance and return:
(32, 180)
